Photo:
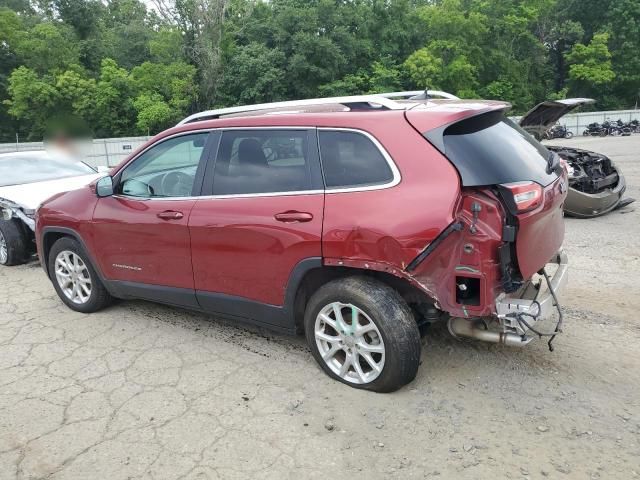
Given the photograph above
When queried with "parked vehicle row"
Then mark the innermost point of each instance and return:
(353, 220)
(541, 121)
(614, 129)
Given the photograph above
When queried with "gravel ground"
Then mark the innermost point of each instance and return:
(145, 391)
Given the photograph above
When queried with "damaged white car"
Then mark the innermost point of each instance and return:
(26, 180)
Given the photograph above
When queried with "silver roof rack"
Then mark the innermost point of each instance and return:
(381, 101)
(353, 102)
(420, 95)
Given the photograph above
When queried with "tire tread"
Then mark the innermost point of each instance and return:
(16, 243)
(392, 316)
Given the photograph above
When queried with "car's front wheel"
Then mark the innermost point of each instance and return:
(13, 244)
(363, 333)
(74, 278)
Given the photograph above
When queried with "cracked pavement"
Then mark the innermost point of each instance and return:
(143, 391)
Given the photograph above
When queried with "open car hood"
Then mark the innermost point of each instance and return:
(545, 114)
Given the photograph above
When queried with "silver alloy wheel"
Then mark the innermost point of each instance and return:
(350, 343)
(4, 250)
(73, 277)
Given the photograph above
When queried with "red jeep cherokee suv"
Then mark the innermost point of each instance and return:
(356, 220)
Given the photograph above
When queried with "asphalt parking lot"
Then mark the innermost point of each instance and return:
(145, 391)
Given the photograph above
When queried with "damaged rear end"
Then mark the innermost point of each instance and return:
(499, 265)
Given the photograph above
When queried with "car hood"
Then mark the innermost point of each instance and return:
(547, 113)
(31, 195)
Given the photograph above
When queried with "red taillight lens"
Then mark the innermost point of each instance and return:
(526, 195)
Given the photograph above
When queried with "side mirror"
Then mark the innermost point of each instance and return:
(104, 187)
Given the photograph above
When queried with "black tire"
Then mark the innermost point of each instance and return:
(390, 314)
(16, 243)
(568, 135)
(99, 297)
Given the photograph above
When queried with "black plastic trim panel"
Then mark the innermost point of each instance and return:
(180, 297)
(75, 235)
(235, 307)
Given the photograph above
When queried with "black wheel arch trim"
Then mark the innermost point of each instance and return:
(44, 260)
(272, 316)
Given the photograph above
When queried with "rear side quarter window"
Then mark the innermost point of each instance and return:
(351, 159)
(489, 149)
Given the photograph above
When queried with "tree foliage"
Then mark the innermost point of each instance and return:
(590, 65)
(118, 67)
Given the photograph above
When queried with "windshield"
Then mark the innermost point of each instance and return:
(23, 168)
(490, 149)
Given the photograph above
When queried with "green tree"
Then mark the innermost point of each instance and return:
(163, 87)
(350, 84)
(10, 27)
(624, 42)
(590, 65)
(154, 114)
(114, 113)
(32, 100)
(48, 46)
(166, 45)
(254, 74)
(126, 69)
(81, 15)
(384, 77)
(424, 69)
(76, 92)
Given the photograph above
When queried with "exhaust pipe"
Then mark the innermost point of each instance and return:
(461, 327)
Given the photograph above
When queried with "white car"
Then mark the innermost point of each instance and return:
(26, 180)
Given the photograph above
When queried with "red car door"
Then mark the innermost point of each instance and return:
(261, 219)
(142, 230)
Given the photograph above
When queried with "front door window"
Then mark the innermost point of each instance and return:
(167, 170)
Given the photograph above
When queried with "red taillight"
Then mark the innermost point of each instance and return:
(526, 195)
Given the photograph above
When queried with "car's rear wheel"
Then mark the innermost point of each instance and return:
(363, 333)
(74, 278)
(13, 244)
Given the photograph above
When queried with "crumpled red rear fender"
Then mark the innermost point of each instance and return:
(461, 254)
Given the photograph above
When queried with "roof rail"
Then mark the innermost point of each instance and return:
(382, 101)
(352, 102)
(420, 95)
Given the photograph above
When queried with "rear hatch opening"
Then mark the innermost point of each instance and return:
(493, 154)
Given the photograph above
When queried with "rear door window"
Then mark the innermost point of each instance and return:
(490, 149)
(351, 159)
(266, 161)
